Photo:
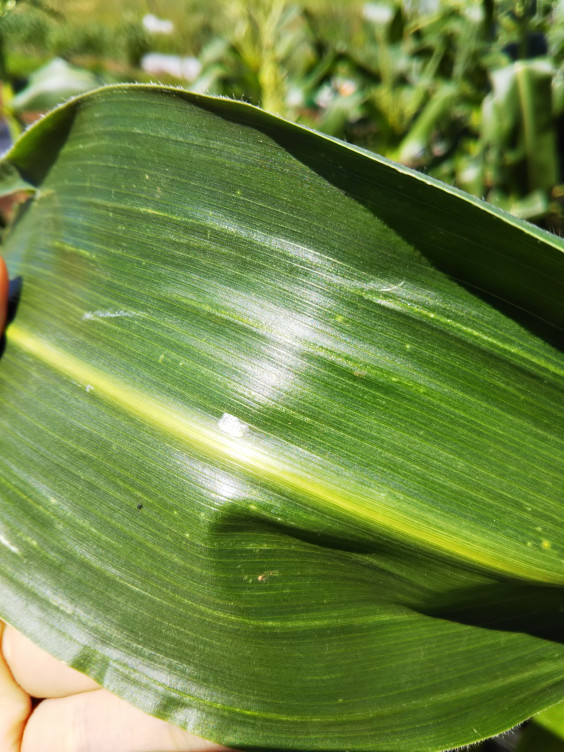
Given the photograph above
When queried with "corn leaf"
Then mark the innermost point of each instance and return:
(281, 430)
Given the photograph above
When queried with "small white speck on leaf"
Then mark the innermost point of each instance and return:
(92, 315)
(392, 287)
(232, 426)
(5, 542)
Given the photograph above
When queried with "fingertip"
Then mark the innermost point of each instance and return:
(15, 707)
(103, 722)
(4, 294)
(37, 672)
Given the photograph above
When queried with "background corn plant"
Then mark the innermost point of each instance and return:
(471, 92)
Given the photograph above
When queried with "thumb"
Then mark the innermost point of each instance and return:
(101, 722)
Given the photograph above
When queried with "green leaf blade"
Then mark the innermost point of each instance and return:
(340, 453)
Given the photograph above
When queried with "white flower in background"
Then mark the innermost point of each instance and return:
(155, 25)
(324, 96)
(157, 63)
(378, 13)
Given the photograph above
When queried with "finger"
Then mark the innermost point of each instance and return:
(4, 290)
(15, 707)
(37, 672)
(100, 722)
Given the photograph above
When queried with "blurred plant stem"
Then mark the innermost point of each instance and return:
(256, 26)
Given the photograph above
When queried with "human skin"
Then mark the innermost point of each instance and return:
(3, 294)
(74, 714)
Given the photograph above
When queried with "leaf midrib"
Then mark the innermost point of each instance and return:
(256, 462)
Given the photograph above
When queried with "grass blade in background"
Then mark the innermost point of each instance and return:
(545, 732)
(280, 430)
(519, 136)
(52, 84)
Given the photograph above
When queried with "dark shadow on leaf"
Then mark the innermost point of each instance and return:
(502, 604)
(33, 157)
(14, 295)
(535, 610)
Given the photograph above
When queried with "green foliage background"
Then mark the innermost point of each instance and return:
(469, 91)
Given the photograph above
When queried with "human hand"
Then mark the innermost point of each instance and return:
(4, 289)
(74, 713)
